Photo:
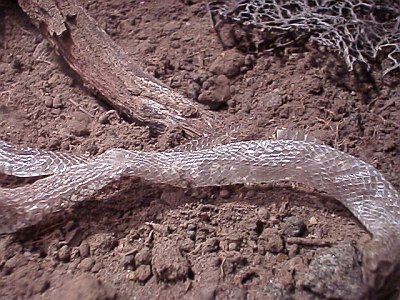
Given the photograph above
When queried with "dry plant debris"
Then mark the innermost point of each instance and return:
(364, 31)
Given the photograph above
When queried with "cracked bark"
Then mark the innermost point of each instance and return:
(107, 70)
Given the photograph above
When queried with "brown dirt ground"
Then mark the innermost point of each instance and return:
(147, 242)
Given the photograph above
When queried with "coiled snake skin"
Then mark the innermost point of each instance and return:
(289, 157)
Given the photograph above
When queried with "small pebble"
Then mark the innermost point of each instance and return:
(57, 103)
(70, 225)
(97, 267)
(65, 145)
(56, 111)
(54, 144)
(233, 246)
(128, 262)
(294, 227)
(191, 226)
(74, 238)
(293, 250)
(84, 249)
(263, 213)
(86, 264)
(48, 101)
(224, 193)
(104, 119)
(64, 253)
(79, 125)
(281, 257)
(192, 234)
(313, 221)
(74, 265)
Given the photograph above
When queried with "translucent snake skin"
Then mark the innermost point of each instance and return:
(288, 157)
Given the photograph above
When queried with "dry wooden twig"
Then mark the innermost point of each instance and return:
(109, 71)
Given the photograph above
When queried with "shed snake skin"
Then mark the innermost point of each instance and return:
(290, 156)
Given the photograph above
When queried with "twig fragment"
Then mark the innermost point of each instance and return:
(309, 242)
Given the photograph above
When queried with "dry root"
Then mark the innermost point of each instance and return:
(363, 31)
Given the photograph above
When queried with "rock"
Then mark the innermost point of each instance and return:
(54, 144)
(75, 255)
(64, 253)
(83, 287)
(74, 265)
(18, 64)
(56, 111)
(97, 267)
(48, 101)
(104, 118)
(225, 193)
(79, 125)
(53, 80)
(84, 249)
(281, 257)
(284, 113)
(293, 250)
(313, 221)
(216, 91)
(65, 145)
(335, 273)
(271, 99)
(234, 242)
(191, 227)
(128, 262)
(74, 238)
(271, 240)
(229, 63)
(263, 213)
(201, 76)
(171, 267)
(86, 264)
(171, 197)
(294, 227)
(191, 234)
(70, 225)
(193, 90)
(272, 291)
(57, 102)
(233, 246)
(5, 68)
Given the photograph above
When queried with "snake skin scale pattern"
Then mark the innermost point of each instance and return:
(290, 156)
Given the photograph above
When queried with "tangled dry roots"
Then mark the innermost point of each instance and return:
(363, 31)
